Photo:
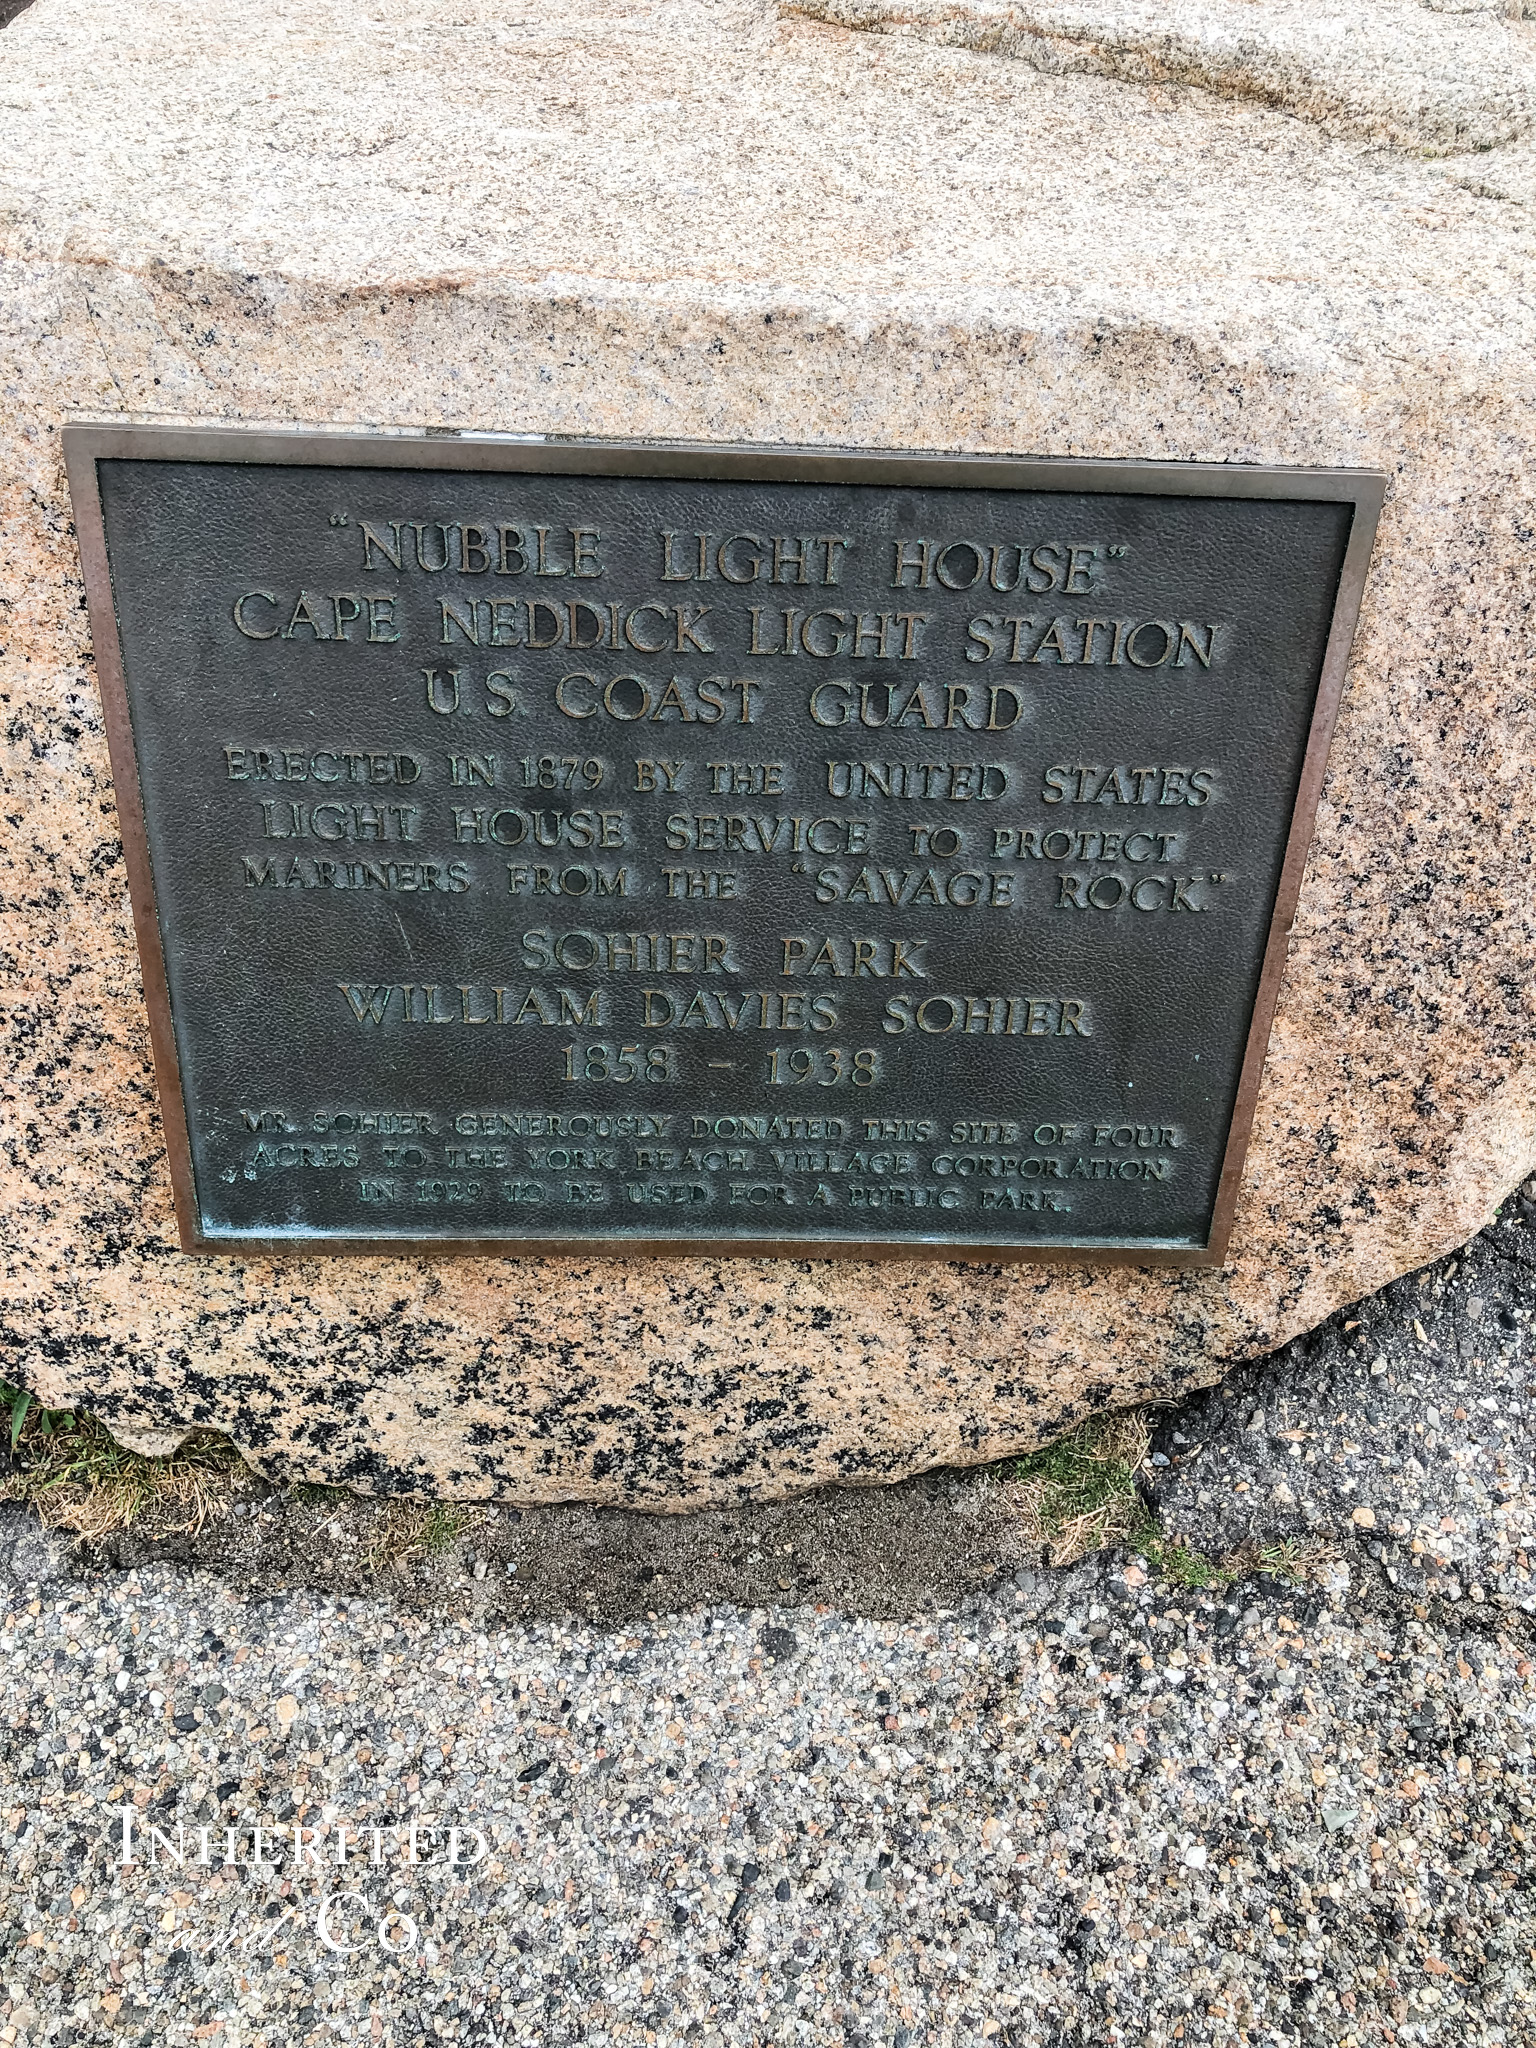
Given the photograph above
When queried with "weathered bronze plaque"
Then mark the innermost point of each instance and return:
(559, 845)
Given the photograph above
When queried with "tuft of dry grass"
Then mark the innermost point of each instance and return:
(72, 1474)
(1079, 1494)
(404, 1530)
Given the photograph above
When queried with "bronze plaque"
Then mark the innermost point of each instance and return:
(552, 845)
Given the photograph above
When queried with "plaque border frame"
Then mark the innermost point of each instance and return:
(86, 442)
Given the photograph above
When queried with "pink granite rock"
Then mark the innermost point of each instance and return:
(706, 222)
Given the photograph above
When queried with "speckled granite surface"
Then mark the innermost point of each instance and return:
(1441, 77)
(704, 221)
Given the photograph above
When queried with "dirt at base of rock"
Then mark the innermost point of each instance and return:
(1397, 1433)
(884, 1553)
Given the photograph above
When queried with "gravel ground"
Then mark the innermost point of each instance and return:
(935, 1795)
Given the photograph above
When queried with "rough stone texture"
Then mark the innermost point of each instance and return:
(1447, 77)
(700, 220)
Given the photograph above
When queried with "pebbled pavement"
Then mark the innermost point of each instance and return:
(1059, 1808)
(1402, 1427)
(1075, 1810)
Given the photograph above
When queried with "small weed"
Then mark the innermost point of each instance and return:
(1179, 1563)
(442, 1529)
(312, 1492)
(1298, 1560)
(1079, 1494)
(19, 1403)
